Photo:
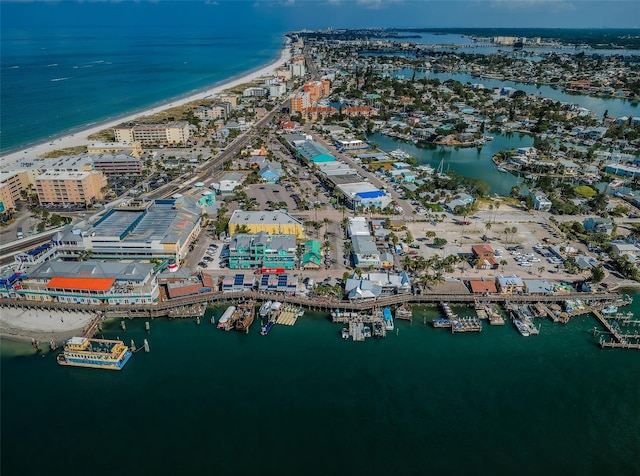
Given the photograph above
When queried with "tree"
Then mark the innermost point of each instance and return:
(440, 242)
(597, 273)
(503, 263)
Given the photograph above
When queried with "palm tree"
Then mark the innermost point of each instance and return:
(487, 227)
(503, 263)
(326, 222)
(514, 230)
(541, 270)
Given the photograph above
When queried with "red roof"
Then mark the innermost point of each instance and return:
(479, 286)
(481, 250)
(81, 284)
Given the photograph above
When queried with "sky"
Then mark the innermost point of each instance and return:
(320, 14)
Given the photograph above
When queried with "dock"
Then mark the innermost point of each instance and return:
(466, 324)
(619, 340)
(288, 316)
(356, 330)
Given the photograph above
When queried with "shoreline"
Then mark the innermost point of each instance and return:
(22, 325)
(74, 138)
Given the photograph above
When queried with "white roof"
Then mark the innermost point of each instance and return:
(77, 340)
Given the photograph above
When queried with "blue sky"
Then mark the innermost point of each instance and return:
(314, 14)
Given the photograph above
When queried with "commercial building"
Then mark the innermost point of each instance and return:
(171, 133)
(119, 164)
(365, 252)
(91, 282)
(228, 183)
(313, 152)
(312, 257)
(363, 194)
(249, 251)
(370, 286)
(70, 188)
(272, 223)
(137, 229)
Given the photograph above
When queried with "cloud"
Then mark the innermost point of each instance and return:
(376, 4)
(554, 5)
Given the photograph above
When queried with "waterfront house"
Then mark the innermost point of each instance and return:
(278, 283)
(599, 225)
(370, 286)
(511, 284)
(461, 200)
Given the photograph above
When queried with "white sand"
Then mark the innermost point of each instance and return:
(80, 138)
(42, 324)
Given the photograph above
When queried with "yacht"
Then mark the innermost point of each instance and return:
(265, 308)
(522, 327)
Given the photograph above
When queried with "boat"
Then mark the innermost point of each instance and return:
(488, 138)
(388, 320)
(441, 323)
(224, 322)
(399, 154)
(94, 353)
(244, 316)
(265, 308)
(610, 309)
(265, 329)
(300, 312)
(522, 327)
(502, 170)
(404, 312)
(345, 333)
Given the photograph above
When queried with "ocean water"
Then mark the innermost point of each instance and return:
(99, 62)
(303, 401)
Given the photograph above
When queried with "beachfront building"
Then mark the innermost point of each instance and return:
(254, 92)
(136, 229)
(12, 182)
(215, 111)
(91, 282)
(119, 164)
(70, 188)
(133, 149)
(249, 251)
(169, 133)
(273, 223)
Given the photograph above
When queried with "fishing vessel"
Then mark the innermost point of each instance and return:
(265, 308)
(94, 353)
(225, 319)
(244, 316)
(366, 331)
(388, 320)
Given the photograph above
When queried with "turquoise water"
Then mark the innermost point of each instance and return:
(302, 400)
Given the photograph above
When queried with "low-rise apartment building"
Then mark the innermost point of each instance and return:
(250, 251)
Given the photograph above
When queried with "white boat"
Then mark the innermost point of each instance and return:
(502, 170)
(522, 327)
(265, 308)
(345, 333)
(224, 319)
(399, 154)
(300, 312)
(611, 309)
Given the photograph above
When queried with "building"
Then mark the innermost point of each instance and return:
(357, 227)
(625, 249)
(254, 92)
(170, 133)
(249, 251)
(70, 188)
(299, 102)
(312, 152)
(509, 284)
(277, 90)
(317, 89)
(365, 252)
(599, 225)
(312, 257)
(483, 257)
(347, 145)
(540, 201)
(228, 183)
(136, 229)
(271, 171)
(238, 282)
(482, 286)
(215, 111)
(363, 194)
(273, 223)
(91, 282)
(278, 283)
(12, 182)
(461, 200)
(119, 164)
(128, 148)
(370, 286)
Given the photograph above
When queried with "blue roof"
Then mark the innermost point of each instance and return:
(372, 194)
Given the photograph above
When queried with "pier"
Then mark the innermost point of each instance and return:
(288, 316)
(619, 340)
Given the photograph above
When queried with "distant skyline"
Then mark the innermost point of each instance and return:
(321, 14)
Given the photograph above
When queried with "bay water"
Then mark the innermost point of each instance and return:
(302, 400)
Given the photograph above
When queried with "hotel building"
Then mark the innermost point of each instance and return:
(171, 133)
(72, 188)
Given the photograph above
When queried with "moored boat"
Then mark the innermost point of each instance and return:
(388, 320)
(404, 312)
(94, 353)
(265, 329)
(244, 316)
(345, 333)
(265, 309)
(522, 327)
(610, 309)
(502, 170)
(225, 319)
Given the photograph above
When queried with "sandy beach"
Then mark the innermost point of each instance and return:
(42, 324)
(80, 138)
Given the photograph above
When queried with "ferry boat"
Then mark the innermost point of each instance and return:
(224, 322)
(94, 353)
(244, 316)
(265, 308)
(388, 320)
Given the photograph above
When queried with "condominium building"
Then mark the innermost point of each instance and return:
(317, 89)
(215, 111)
(300, 102)
(12, 182)
(173, 133)
(249, 251)
(273, 223)
(70, 188)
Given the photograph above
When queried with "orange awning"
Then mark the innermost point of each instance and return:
(81, 284)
